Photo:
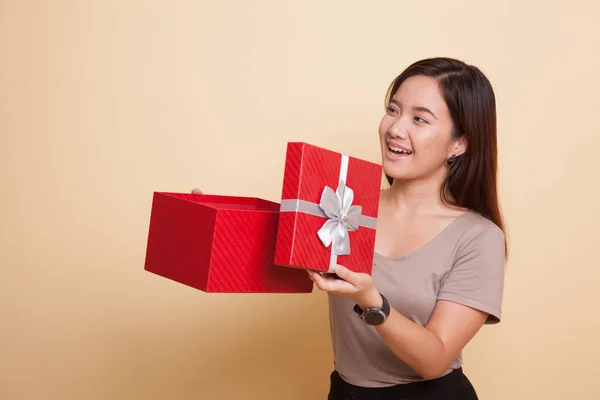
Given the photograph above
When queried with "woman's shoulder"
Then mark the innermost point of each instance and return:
(474, 227)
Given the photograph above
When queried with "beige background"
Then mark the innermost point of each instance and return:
(103, 102)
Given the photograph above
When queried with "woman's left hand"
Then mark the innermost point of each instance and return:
(353, 285)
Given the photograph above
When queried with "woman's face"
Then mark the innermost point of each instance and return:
(416, 132)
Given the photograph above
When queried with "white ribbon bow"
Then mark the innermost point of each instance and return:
(342, 216)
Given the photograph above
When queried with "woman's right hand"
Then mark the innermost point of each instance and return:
(197, 191)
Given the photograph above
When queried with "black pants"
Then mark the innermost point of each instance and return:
(453, 386)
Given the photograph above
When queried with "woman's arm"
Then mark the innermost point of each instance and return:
(428, 350)
(431, 349)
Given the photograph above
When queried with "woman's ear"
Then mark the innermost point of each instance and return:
(460, 146)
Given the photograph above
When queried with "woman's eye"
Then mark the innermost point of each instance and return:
(420, 120)
(391, 110)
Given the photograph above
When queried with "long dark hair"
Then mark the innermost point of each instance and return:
(469, 96)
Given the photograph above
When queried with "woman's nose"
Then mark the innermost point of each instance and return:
(397, 130)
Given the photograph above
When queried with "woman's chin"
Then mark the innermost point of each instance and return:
(401, 174)
(395, 176)
(394, 171)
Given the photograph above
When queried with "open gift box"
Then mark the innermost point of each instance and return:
(219, 244)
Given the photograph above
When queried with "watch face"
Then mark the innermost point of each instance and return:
(374, 318)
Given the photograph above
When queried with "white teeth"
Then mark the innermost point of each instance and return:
(399, 150)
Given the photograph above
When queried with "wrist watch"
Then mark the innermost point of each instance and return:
(374, 315)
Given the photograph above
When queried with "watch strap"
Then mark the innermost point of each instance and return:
(382, 312)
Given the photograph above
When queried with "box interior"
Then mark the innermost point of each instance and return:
(229, 202)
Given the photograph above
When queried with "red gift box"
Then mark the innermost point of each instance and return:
(328, 210)
(218, 244)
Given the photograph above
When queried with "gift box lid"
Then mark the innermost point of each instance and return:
(309, 169)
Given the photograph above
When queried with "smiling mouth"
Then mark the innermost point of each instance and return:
(398, 151)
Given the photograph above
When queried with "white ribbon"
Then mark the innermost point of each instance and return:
(342, 216)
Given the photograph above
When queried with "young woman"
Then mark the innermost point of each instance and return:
(438, 272)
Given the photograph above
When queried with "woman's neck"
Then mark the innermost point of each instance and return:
(416, 197)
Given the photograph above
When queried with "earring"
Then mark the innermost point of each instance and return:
(450, 160)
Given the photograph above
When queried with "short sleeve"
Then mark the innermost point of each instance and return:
(477, 276)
